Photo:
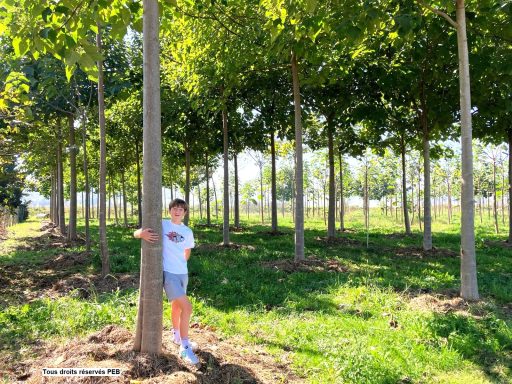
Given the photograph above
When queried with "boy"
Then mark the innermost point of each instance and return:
(177, 242)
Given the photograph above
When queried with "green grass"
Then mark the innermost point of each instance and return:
(353, 327)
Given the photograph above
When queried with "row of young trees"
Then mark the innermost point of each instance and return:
(345, 76)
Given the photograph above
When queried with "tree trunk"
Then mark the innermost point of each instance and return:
(200, 203)
(115, 202)
(123, 184)
(261, 194)
(225, 228)
(148, 338)
(299, 181)
(494, 203)
(427, 217)
(273, 182)
(216, 201)
(208, 217)
(60, 183)
(404, 188)
(86, 176)
(187, 182)
(450, 211)
(331, 221)
(53, 196)
(236, 199)
(342, 200)
(105, 263)
(72, 180)
(469, 285)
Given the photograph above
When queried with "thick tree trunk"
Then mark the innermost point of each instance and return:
(148, 336)
(236, 199)
(273, 182)
(342, 200)
(469, 285)
(299, 181)
(60, 184)
(427, 216)
(404, 189)
(72, 180)
(87, 188)
(331, 221)
(225, 227)
(105, 262)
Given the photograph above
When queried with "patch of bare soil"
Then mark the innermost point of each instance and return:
(221, 246)
(311, 264)
(417, 252)
(338, 241)
(446, 303)
(221, 361)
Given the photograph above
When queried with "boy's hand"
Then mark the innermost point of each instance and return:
(146, 234)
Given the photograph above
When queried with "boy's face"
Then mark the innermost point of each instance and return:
(177, 213)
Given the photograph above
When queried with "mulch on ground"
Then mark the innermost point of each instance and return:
(339, 241)
(221, 361)
(311, 264)
(445, 303)
(418, 252)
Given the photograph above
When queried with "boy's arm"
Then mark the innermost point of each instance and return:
(187, 253)
(146, 234)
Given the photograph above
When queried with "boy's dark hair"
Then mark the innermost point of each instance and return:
(178, 203)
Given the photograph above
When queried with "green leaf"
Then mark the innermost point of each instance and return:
(46, 12)
(20, 46)
(69, 71)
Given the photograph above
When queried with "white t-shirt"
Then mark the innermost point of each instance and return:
(175, 239)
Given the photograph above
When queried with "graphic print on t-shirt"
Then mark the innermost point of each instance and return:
(175, 237)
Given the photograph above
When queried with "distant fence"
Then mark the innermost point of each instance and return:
(8, 217)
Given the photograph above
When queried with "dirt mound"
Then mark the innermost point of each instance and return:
(446, 303)
(309, 265)
(221, 361)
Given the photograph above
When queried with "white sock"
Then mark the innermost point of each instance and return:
(176, 335)
(184, 343)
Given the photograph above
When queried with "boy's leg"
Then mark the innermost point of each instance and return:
(186, 312)
(175, 317)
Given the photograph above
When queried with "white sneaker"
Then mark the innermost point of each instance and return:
(188, 355)
(192, 344)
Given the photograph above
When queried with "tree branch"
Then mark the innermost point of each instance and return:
(438, 12)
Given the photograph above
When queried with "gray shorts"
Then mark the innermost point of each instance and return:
(175, 285)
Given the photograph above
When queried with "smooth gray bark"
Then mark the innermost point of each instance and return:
(331, 220)
(299, 181)
(148, 336)
(273, 186)
(72, 180)
(225, 227)
(236, 198)
(469, 285)
(105, 262)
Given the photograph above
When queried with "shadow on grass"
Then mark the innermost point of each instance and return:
(486, 342)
